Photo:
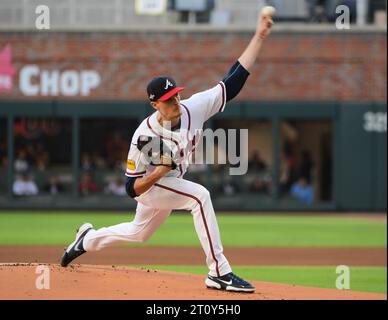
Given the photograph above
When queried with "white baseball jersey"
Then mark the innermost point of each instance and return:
(194, 112)
(172, 192)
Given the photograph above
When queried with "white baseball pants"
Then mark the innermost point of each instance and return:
(154, 206)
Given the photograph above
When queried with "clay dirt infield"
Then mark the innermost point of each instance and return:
(18, 281)
(126, 255)
(94, 277)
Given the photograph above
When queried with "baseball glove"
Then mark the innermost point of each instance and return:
(156, 151)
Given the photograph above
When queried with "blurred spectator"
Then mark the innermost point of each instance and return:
(289, 150)
(258, 185)
(316, 10)
(33, 128)
(20, 131)
(41, 157)
(38, 137)
(54, 186)
(21, 164)
(255, 162)
(117, 150)
(27, 128)
(303, 191)
(98, 161)
(306, 166)
(87, 185)
(116, 187)
(377, 12)
(312, 7)
(228, 187)
(86, 162)
(24, 186)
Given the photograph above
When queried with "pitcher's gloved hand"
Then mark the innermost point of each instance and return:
(156, 151)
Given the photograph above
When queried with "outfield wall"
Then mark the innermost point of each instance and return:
(337, 78)
(293, 66)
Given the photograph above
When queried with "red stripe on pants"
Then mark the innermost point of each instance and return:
(203, 218)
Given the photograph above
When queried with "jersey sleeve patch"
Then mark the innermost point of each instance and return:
(131, 165)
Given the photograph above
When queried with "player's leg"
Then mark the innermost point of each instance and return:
(174, 193)
(182, 194)
(147, 221)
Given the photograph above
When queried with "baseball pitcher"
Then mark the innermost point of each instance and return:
(158, 159)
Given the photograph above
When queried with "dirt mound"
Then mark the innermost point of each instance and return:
(19, 281)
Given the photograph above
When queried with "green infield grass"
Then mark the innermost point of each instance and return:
(237, 229)
(364, 279)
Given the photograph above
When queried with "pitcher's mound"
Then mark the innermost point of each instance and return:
(21, 281)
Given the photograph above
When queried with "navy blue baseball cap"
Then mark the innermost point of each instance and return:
(162, 89)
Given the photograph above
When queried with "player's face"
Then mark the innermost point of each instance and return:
(169, 109)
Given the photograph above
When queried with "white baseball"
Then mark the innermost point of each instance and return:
(268, 11)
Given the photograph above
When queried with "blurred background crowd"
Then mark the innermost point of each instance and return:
(43, 156)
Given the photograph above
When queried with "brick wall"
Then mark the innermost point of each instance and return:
(324, 67)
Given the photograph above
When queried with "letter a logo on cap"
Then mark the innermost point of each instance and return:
(168, 84)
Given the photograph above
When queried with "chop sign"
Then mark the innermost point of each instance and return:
(33, 81)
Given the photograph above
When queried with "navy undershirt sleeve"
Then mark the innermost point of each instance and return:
(235, 80)
(129, 187)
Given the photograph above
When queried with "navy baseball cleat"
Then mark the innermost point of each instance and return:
(76, 248)
(229, 282)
